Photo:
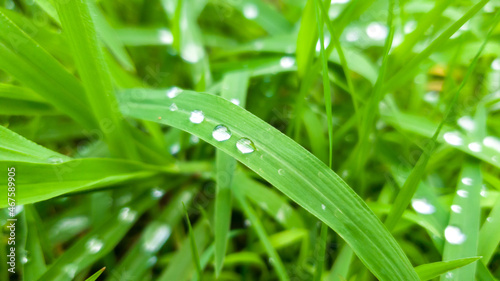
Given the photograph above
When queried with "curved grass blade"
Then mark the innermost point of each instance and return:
(433, 270)
(80, 31)
(15, 147)
(50, 180)
(277, 159)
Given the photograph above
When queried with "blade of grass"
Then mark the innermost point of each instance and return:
(313, 186)
(463, 229)
(433, 270)
(234, 87)
(306, 39)
(34, 265)
(96, 275)
(51, 180)
(194, 248)
(489, 235)
(80, 31)
(274, 258)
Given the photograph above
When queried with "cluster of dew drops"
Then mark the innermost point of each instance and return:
(220, 132)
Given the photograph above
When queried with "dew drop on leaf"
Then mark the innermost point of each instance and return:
(422, 206)
(453, 138)
(94, 245)
(454, 235)
(245, 146)
(221, 133)
(197, 117)
(173, 92)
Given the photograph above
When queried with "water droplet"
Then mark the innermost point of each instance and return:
(221, 133)
(467, 181)
(410, 26)
(453, 138)
(280, 215)
(194, 139)
(94, 245)
(489, 219)
(250, 11)
(456, 209)
(24, 260)
(245, 146)
(463, 193)
(287, 62)
(431, 97)
(484, 192)
(352, 35)
(495, 65)
(281, 172)
(235, 101)
(454, 235)
(197, 117)
(326, 42)
(173, 107)
(70, 270)
(247, 223)
(449, 275)
(467, 123)
(175, 148)
(323, 207)
(155, 240)
(152, 260)
(422, 206)
(475, 146)
(166, 36)
(55, 160)
(127, 214)
(157, 193)
(492, 142)
(173, 92)
(376, 31)
(192, 53)
(258, 45)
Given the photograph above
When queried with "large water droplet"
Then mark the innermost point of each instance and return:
(463, 193)
(197, 117)
(422, 206)
(453, 138)
(221, 133)
(245, 146)
(287, 62)
(467, 181)
(94, 245)
(376, 31)
(127, 214)
(456, 209)
(166, 36)
(454, 235)
(156, 239)
(157, 193)
(235, 101)
(492, 142)
(495, 65)
(173, 92)
(475, 146)
(250, 11)
(467, 123)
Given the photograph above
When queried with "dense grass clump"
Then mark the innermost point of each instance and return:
(250, 140)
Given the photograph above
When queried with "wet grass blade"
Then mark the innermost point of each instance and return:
(433, 270)
(313, 186)
(194, 248)
(462, 232)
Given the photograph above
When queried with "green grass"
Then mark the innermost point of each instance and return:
(355, 141)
